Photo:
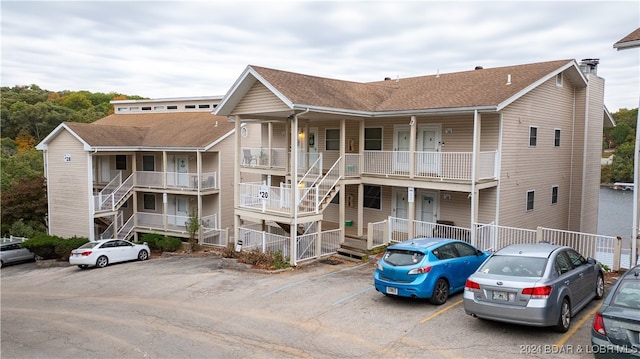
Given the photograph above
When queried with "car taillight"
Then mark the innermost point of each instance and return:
(537, 292)
(598, 324)
(471, 285)
(84, 254)
(420, 270)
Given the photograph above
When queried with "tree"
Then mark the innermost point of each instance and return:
(25, 200)
(622, 165)
(193, 226)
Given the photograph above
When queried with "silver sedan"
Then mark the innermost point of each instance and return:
(533, 284)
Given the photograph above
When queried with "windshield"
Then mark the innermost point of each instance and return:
(515, 266)
(402, 257)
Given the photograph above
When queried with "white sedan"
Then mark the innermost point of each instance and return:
(101, 253)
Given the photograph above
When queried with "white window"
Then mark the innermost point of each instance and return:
(530, 200)
(533, 136)
(554, 194)
(373, 139)
(559, 80)
(556, 137)
(372, 196)
(148, 163)
(149, 201)
(332, 139)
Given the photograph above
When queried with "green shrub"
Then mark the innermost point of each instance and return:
(170, 244)
(152, 240)
(263, 260)
(43, 246)
(64, 246)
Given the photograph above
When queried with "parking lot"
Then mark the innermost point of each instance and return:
(177, 307)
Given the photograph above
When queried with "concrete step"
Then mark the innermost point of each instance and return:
(354, 254)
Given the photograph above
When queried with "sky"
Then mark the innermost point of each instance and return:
(165, 49)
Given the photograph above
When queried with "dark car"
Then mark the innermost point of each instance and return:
(616, 326)
(12, 252)
(537, 284)
(431, 268)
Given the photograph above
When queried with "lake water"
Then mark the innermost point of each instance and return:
(615, 212)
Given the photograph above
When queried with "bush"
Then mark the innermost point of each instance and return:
(43, 246)
(65, 246)
(170, 244)
(263, 260)
(159, 242)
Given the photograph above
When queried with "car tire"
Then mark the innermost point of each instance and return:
(143, 255)
(564, 319)
(102, 262)
(440, 292)
(599, 287)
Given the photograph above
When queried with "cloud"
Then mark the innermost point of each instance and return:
(178, 49)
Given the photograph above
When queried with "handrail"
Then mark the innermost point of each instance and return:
(337, 178)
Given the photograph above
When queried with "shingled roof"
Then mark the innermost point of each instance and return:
(166, 130)
(475, 88)
(630, 41)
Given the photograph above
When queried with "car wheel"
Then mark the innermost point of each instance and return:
(143, 255)
(440, 292)
(102, 261)
(564, 321)
(599, 287)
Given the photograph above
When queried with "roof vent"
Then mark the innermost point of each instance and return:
(479, 67)
(387, 78)
(508, 79)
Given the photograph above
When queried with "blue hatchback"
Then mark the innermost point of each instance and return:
(431, 268)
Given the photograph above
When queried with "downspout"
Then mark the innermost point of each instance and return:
(474, 156)
(585, 136)
(571, 179)
(636, 196)
(294, 187)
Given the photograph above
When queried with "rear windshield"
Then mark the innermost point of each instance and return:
(628, 294)
(88, 245)
(514, 266)
(402, 257)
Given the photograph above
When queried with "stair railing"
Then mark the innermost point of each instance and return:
(331, 178)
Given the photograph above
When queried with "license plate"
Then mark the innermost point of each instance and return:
(501, 296)
(392, 290)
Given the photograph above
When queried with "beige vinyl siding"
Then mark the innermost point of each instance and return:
(577, 147)
(259, 99)
(538, 168)
(68, 188)
(589, 222)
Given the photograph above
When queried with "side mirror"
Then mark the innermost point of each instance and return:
(591, 260)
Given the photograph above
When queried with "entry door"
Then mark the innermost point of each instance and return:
(182, 171)
(182, 210)
(428, 161)
(428, 207)
(401, 139)
(401, 207)
(105, 169)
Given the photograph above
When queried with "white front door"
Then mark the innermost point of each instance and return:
(401, 139)
(400, 208)
(182, 171)
(105, 168)
(427, 206)
(182, 210)
(429, 143)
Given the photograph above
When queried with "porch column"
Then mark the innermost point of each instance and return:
(411, 216)
(341, 214)
(412, 146)
(318, 239)
(294, 192)
(341, 167)
(269, 145)
(165, 168)
(474, 162)
(360, 209)
(236, 178)
(199, 203)
(134, 169)
(361, 140)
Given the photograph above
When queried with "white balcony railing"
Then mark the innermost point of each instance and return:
(264, 158)
(438, 165)
(150, 179)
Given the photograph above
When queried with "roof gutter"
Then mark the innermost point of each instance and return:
(402, 113)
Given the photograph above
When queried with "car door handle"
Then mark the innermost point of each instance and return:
(566, 282)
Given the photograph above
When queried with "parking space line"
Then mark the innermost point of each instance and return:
(576, 326)
(440, 312)
(352, 295)
(309, 279)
